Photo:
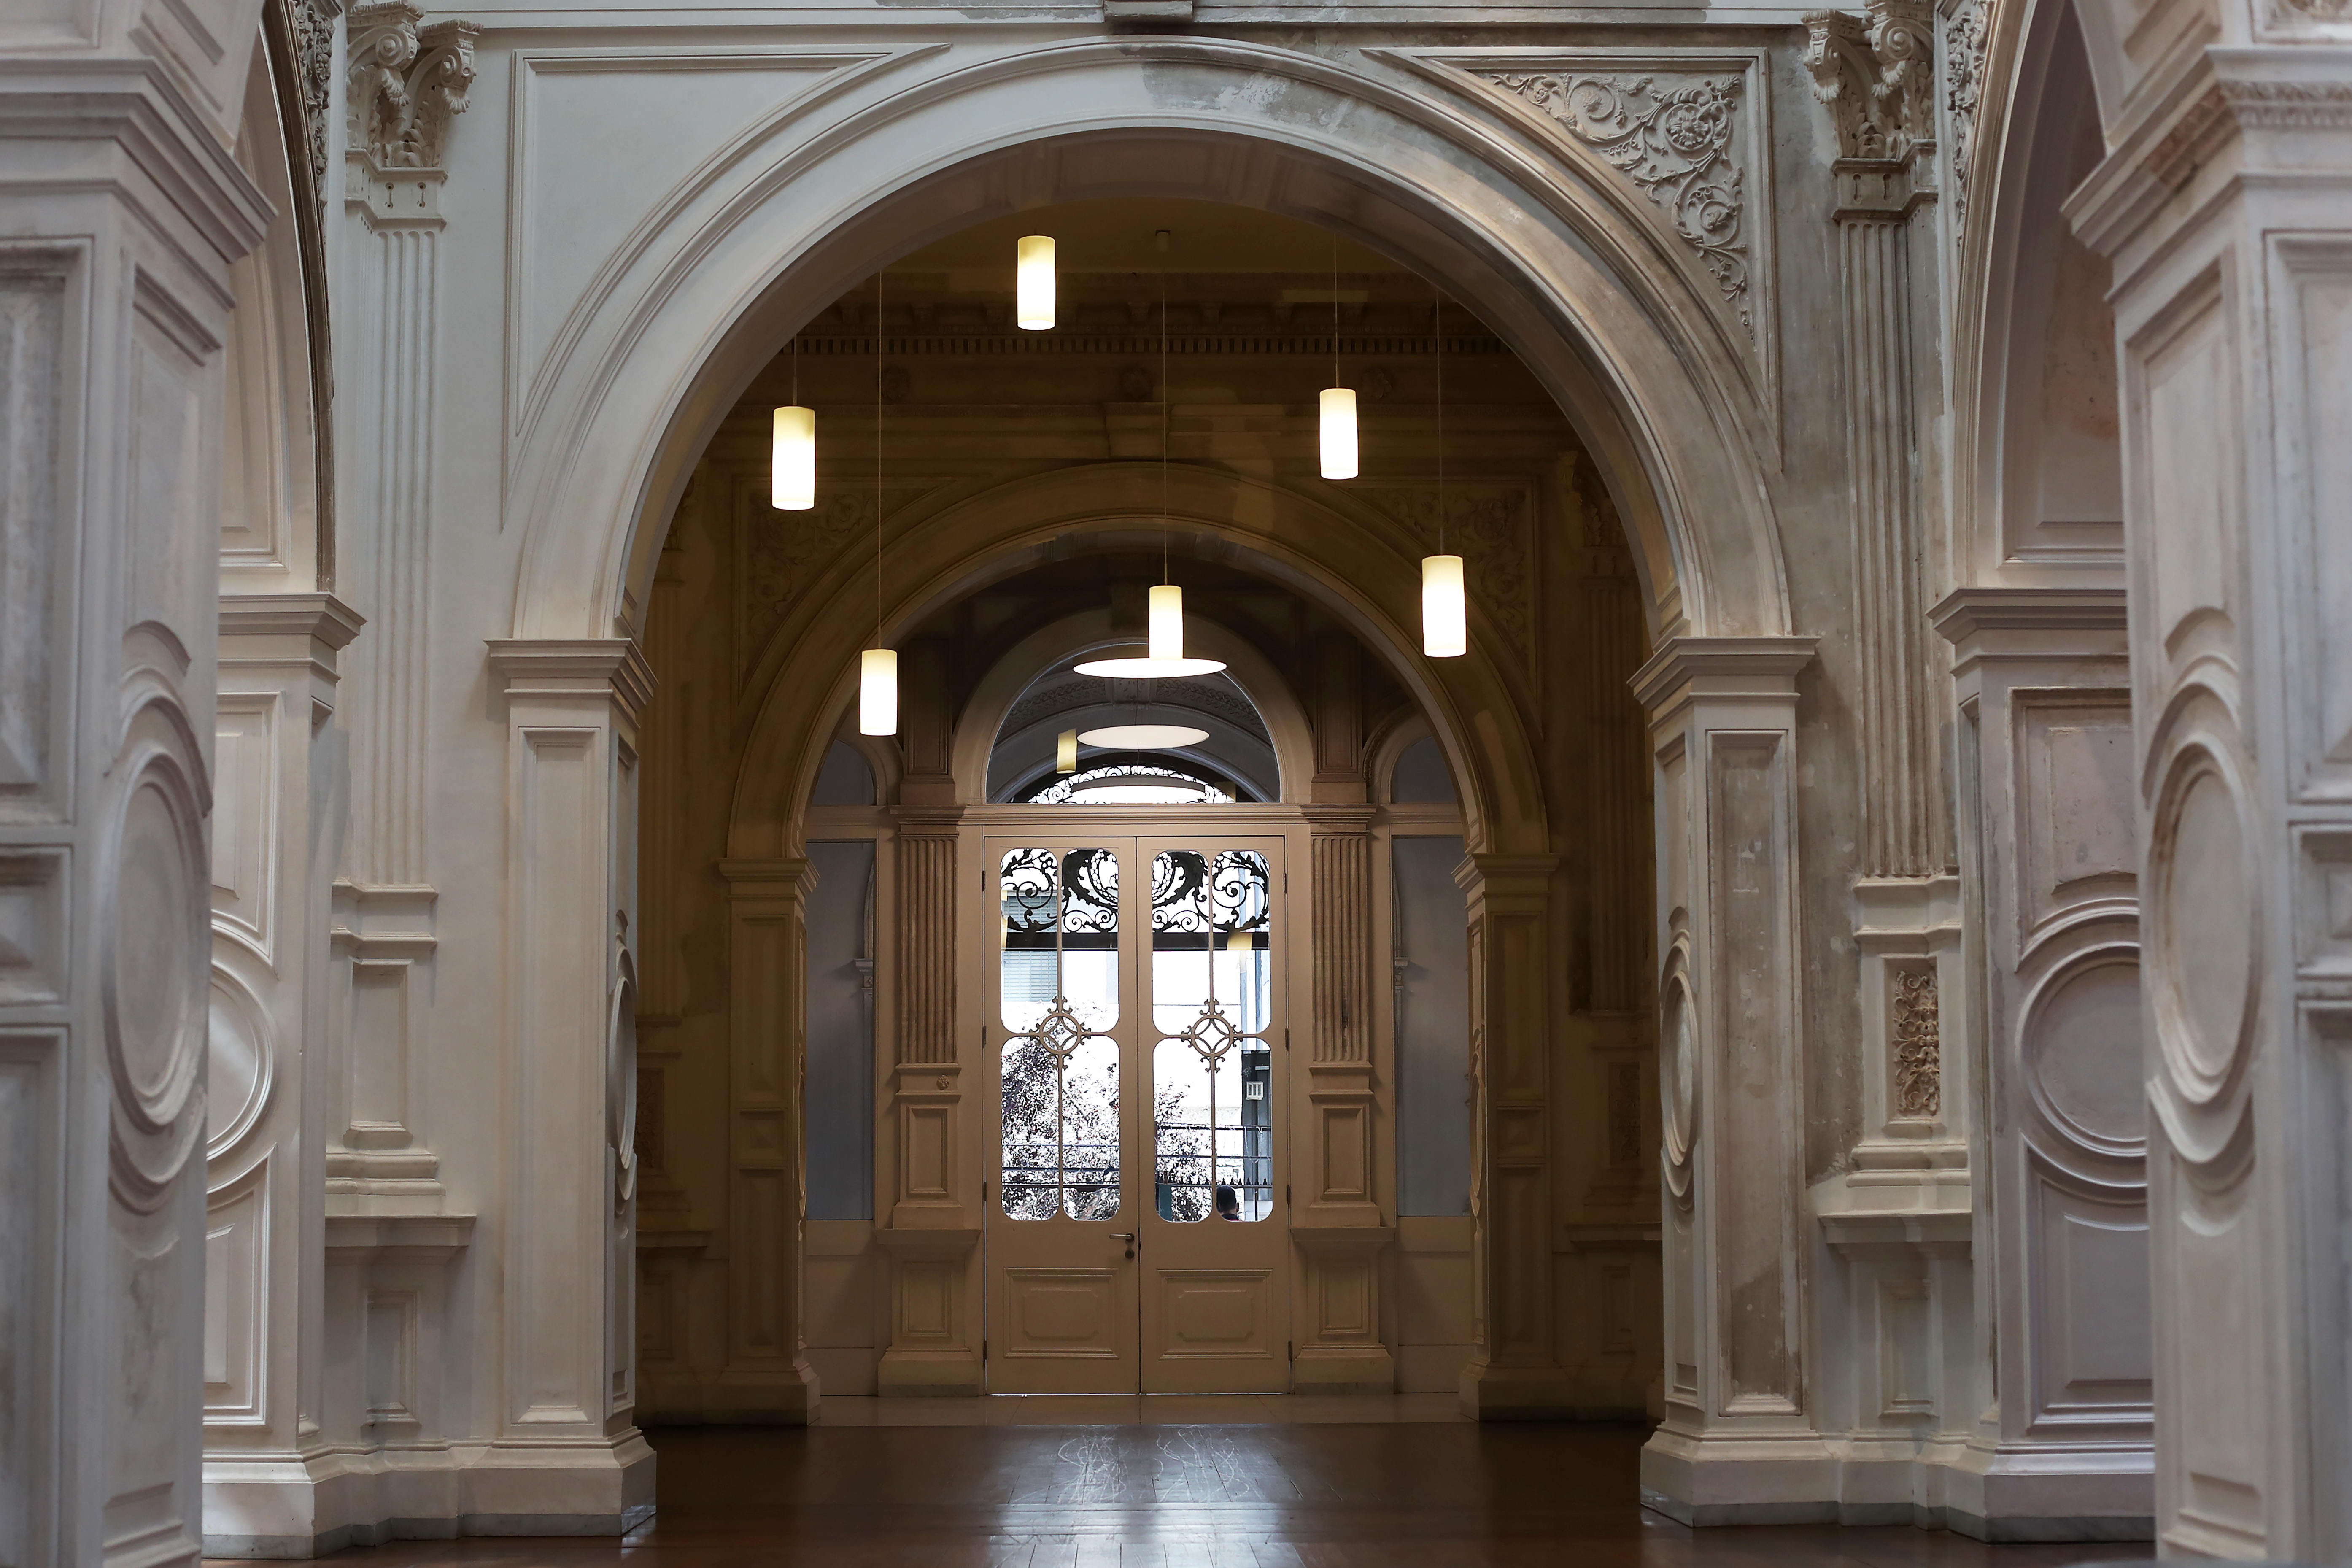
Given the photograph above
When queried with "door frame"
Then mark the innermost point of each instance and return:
(1143, 830)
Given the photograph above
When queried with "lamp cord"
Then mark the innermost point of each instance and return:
(879, 276)
(1335, 307)
(1164, 417)
(1437, 354)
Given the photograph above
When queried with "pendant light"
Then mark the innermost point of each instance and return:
(877, 667)
(1066, 752)
(792, 477)
(1445, 612)
(1032, 277)
(1164, 653)
(1144, 737)
(1339, 402)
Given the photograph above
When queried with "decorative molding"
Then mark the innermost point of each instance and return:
(310, 28)
(1876, 72)
(1918, 1045)
(407, 77)
(1672, 134)
(2290, 105)
(1968, 31)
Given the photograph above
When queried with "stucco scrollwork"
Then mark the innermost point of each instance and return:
(1967, 30)
(1876, 72)
(312, 24)
(407, 79)
(1918, 1044)
(1673, 137)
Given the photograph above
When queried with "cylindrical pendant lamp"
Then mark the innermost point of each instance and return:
(792, 474)
(1066, 752)
(1168, 621)
(878, 692)
(1033, 282)
(1339, 432)
(1445, 617)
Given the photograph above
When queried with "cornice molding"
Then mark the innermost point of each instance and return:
(1729, 666)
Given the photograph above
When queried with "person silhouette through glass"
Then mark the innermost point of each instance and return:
(1229, 1204)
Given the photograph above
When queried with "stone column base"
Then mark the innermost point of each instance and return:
(1544, 1394)
(924, 1374)
(2095, 1492)
(291, 1507)
(1343, 1369)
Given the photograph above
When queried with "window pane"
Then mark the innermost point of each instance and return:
(1212, 969)
(1212, 1132)
(1059, 973)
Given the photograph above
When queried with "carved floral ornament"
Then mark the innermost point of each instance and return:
(406, 79)
(1918, 1045)
(1675, 137)
(1876, 72)
(1967, 32)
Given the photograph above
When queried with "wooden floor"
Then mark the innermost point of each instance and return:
(1299, 1493)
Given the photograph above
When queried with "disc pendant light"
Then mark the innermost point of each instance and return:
(877, 667)
(1032, 277)
(1445, 614)
(1338, 436)
(1143, 737)
(792, 474)
(1164, 654)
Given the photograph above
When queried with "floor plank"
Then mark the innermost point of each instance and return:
(1135, 1492)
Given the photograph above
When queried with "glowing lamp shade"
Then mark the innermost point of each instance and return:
(1445, 619)
(1339, 432)
(1033, 282)
(878, 692)
(1168, 621)
(792, 474)
(1066, 752)
(1144, 737)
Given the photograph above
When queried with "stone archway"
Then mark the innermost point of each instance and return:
(1631, 338)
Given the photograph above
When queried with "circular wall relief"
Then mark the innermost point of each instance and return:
(621, 1085)
(239, 1061)
(1678, 1076)
(152, 962)
(2204, 923)
(2082, 1055)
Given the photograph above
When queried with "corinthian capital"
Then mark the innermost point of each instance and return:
(1876, 72)
(406, 79)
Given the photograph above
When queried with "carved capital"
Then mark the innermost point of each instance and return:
(406, 79)
(1876, 72)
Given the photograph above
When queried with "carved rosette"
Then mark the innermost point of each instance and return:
(1674, 138)
(406, 79)
(1918, 1046)
(1876, 72)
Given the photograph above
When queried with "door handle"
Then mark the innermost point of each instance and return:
(1127, 1236)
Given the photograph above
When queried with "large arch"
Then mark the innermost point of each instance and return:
(1569, 268)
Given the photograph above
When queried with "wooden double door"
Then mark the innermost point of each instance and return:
(1136, 1236)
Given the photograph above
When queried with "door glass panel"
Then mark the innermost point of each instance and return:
(1211, 973)
(1059, 982)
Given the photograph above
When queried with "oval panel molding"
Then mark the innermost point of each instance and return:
(240, 1064)
(2081, 1039)
(2204, 925)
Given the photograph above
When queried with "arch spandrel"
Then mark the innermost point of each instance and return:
(1361, 569)
(1630, 350)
